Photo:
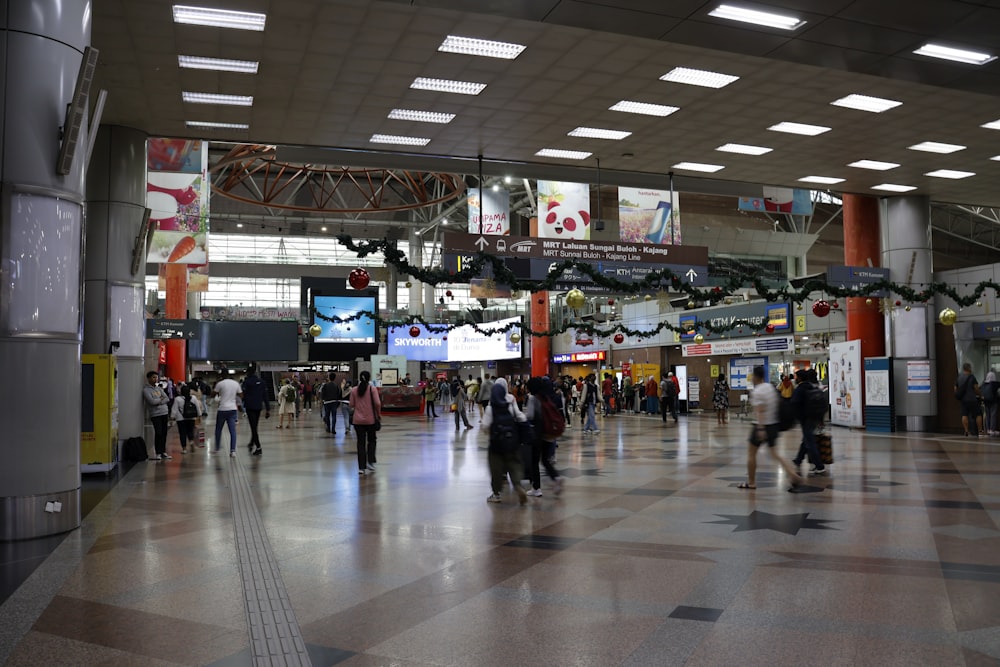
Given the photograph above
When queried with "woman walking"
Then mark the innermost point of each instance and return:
(458, 395)
(720, 398)
(367, 408)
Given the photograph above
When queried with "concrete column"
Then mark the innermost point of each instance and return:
(114, 298)
(906, 251)
(41, 224)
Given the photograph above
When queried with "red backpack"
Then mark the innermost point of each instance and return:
(553, 423)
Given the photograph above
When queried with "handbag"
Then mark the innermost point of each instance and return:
(378, 421)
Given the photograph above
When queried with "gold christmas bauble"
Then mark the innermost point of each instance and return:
(515, 338)
(647, 298)
(868, 301)
(908, 308)
(699, 339)
(979, 304)
(315, 330)
(575, 298)
(947, 317)
(409, 284)
(690, 304)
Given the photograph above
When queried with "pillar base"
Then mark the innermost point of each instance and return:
(25, 518)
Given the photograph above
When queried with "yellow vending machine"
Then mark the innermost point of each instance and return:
(99, 413)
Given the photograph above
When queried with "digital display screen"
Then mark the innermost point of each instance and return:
(361, 330)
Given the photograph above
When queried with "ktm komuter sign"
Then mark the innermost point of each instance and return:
(532, 258)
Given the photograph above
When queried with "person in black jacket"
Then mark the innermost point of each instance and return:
(255, 401)
(331, 395)
(805, 380)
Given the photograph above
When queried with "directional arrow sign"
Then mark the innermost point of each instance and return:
(481, 243)
(691, 274)
(167, 329)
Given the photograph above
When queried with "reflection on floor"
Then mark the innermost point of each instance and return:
(650, 556)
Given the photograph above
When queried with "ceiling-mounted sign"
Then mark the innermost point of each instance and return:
(168, 329)
(857, 277)
(739, 346)
(579, 357)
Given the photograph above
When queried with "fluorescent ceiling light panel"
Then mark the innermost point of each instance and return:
(210, 125)
(218, 64)
(699, 77)
(825, 180)
(892, 187)
(799, 128)
(421, 116)
(996, 158)
(756, 17)
(569, 155)
(213, 98)
(873, 164)
(598, 133)
(866, 103)
(744, 149)
(935, 147)
(992, 125)
(644, 108)
(698, 166)
(448, 86)
(472, 46)
(219, 18)
(957, 55)
(398, 140)
(950, 173)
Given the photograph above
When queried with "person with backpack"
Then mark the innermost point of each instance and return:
(989, 393)
(764, 399)
(500, 420)
(184, 410)
(286, 403)
(543, 409)
(808, 402)
(254, 402)
(588, 404)
(967, 393)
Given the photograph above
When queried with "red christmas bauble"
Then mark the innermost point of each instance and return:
(541, 302)
(835, 305)
(619, 338)
(414, 331)
(899, 303)
(821, 308)
(769, 328)
(448, 294)
(359, 279)
(611, 302)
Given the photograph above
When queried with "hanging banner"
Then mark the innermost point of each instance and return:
(779, 200)
(177, 196)
(648, 216)
(489, 212)
(845, 384)
(563, 211)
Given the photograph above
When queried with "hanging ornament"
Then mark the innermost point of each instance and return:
(359, 278)
(315, 330)
(575, 299)
(619, 339)
(868, 301)
(699, 339)
(541, 302)
(409, 284)
(690, 304)
(898, 303)
(516, 294)
(769, 328)
(835, 305)
(908, 308)
(414, 331)
(821, 308)
(648, 297)
(611, 302)
(449, 294)
(798, 306)
(947, 317)
(515, 338)
(979, 304)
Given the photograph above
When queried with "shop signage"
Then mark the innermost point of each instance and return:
(579, 357)
(739, 346)
(758, 315)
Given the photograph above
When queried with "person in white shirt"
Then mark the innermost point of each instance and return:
(764, 399)
(227, 390)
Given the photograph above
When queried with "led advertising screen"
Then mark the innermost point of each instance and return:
(463, 343)
(361, 330)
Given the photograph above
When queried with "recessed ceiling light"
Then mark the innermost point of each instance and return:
(448, 86)
(597, 133)
(873, 164)
(481, 47)
(213, 98)
(935, 147)
(218, 64)
(950, 173)
(799, 128)
(699, 77)
(322, 229)
(210, 125)
(219, 18)
(239, 225)
(744, 149)
(825, 180)
(892, 187)
(644, 108)
(957, 55)
(421, 116)
(399, 140)
(756, 17)
(569, 155)
(866, 103)
(992, 125)
(698, 166)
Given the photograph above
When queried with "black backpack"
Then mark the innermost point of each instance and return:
(134, 449)
(505, 437)
(786, 413)
(815, 403)
(189, 410)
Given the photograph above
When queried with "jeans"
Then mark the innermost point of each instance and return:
(345, 411)
(809, 446)
(652, 405)
(607, 404)
(160, 433)
(330, 415)
(591, 424)
(367, 438)
(229, 417)
(253, 416)
(991, 416)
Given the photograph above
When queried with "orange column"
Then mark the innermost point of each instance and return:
(541, 346)
(176, 309)
(861, 246)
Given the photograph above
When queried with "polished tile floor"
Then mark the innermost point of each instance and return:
(651, 556)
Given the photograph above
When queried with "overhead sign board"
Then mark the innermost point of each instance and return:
(856, 277)
(167, 329)
(739, 346)
(579, 357)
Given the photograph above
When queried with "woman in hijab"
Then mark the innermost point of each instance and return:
(504, 458)
(367, 408)
(542, 450)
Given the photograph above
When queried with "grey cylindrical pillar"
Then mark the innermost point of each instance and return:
(905, 229)
(114, 298)
(41, 220)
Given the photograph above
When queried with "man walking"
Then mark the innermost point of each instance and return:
(764, 399)
(668, 396)
(157, 406)
(331, 394)
(254, 401)
(227, 390)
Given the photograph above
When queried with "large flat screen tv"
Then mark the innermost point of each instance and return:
(343, 340)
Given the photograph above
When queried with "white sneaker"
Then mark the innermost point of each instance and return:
(371, 467)
(164, 455)
(361, 472)
(537, 493)
(493, 498)
(232, 453)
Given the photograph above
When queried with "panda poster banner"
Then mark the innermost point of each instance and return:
(563, 211)
(489, 211)
(648, 216)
